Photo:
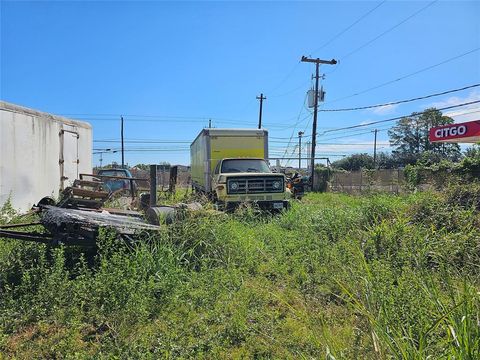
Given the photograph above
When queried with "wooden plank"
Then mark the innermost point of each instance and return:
(95, 184)
(89, 193)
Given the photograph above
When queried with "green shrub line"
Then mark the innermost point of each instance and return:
(443, 173)
(335, 277)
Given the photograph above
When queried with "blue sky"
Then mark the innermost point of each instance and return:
(168, 67)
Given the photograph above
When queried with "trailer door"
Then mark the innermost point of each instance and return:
(68, 157)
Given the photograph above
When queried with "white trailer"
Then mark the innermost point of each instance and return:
(40, 154)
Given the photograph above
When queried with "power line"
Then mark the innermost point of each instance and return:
(368, 127)
(145, 141)
(399, 117)
(358, 134)
(290, 73)
(152, 118)
(349, 27)
(143, 116)
(405, 76)
(388, 30)
(292, 90)
(402, 101)
(361, 131)
(317, 156)
(298, 121)
(464, 113)
(145, 150)
(161, 119)
(333, 143)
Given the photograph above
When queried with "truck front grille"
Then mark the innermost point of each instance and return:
(255, 185)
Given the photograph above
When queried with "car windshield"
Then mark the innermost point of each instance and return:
(245, 165)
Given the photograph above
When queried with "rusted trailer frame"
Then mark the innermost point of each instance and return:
(76, 227)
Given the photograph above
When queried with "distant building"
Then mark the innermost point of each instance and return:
(40, 154)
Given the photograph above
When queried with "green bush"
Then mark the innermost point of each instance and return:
(443, 173)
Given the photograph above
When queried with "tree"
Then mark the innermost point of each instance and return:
(410, 138)
(161, 166)
(386, 161)
(354, 162)
(142, 167)
(473, 152)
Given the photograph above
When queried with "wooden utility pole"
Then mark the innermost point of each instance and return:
(375, 149)
(261, 98)
(300, 133)
(317, 63)
(123, 149)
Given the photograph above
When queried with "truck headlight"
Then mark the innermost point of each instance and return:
(233, 185)
(277, 185)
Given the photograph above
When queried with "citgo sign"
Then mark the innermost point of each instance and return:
(462, 132)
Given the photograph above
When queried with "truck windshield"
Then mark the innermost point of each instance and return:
(245, 165)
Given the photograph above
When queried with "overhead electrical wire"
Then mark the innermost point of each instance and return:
(336, 143)
(364, 131)
(145, 116)
(399, 117)
(349, 27)
(388, 30)
(377, 37)
(357, 134)
(401, 101)
(290, 158)
(404, 76)
(144, 141)
(328, 42)
(140, 150)
(357, 130)
(367, 129)
(153, 118)
(298, 121)
(292, 90)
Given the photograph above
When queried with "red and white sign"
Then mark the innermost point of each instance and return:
(468, 132)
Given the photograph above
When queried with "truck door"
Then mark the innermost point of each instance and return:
(68, 157)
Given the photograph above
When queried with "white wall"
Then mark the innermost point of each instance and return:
(31, 144)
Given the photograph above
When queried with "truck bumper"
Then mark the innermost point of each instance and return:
(273, 205)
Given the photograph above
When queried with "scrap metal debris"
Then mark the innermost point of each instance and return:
(77, 227)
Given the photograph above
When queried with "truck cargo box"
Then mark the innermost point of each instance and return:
(213, 145)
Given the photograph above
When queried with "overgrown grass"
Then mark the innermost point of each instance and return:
(336, 277)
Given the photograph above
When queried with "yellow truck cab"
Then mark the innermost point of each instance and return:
(230, 166)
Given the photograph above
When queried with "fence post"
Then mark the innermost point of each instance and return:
(361, 181)
(153, 185)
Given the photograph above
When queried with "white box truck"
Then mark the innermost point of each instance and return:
(230, 166)
(40, 154)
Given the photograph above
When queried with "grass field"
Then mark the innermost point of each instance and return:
(336, 277)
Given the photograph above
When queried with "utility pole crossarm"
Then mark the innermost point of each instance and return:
(261, 98)
(319, 61)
